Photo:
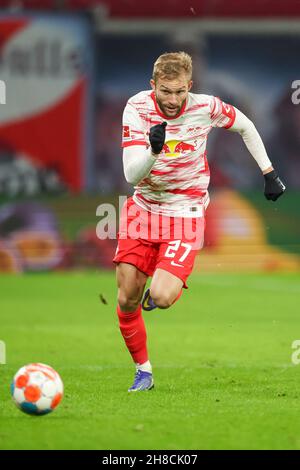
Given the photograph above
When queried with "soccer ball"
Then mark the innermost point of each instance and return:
(37, 389)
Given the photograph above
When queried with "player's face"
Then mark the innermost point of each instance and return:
(171, 94)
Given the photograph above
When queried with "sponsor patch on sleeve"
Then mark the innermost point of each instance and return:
(126, 133)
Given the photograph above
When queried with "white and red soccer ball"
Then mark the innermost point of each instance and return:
(37, 389)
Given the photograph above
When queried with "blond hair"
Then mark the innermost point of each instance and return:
(172, 64)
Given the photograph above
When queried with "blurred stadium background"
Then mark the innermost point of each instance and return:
(70, 65)
(222, 355)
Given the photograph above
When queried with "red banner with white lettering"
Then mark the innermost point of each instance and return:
(44, 66)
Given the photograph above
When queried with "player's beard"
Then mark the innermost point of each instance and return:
(175, 110)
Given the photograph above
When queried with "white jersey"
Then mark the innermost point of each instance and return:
(177, 184)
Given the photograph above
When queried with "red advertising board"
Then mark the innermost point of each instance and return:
(44, 66)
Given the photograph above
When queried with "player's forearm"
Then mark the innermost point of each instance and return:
(252, 140)
(137, 163)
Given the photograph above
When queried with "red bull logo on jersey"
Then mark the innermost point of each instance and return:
(175, 148)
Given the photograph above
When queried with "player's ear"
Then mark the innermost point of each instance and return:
(152, 83)
(190, 84)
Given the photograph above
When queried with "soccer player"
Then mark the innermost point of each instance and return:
(165, 130)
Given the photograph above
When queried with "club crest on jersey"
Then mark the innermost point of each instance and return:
(176, 148)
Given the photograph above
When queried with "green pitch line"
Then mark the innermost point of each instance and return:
(221, 356)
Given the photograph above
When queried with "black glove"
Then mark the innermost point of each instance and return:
(274, 187)
(157, 137)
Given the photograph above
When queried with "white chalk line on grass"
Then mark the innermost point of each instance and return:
(265, 367)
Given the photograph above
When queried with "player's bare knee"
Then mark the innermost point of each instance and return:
(127, 303)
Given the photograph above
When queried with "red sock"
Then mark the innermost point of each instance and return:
(133, 330)
(178, 297)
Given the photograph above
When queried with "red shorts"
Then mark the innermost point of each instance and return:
(150, 241)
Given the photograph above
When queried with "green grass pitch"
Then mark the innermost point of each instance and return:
(224, 378)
